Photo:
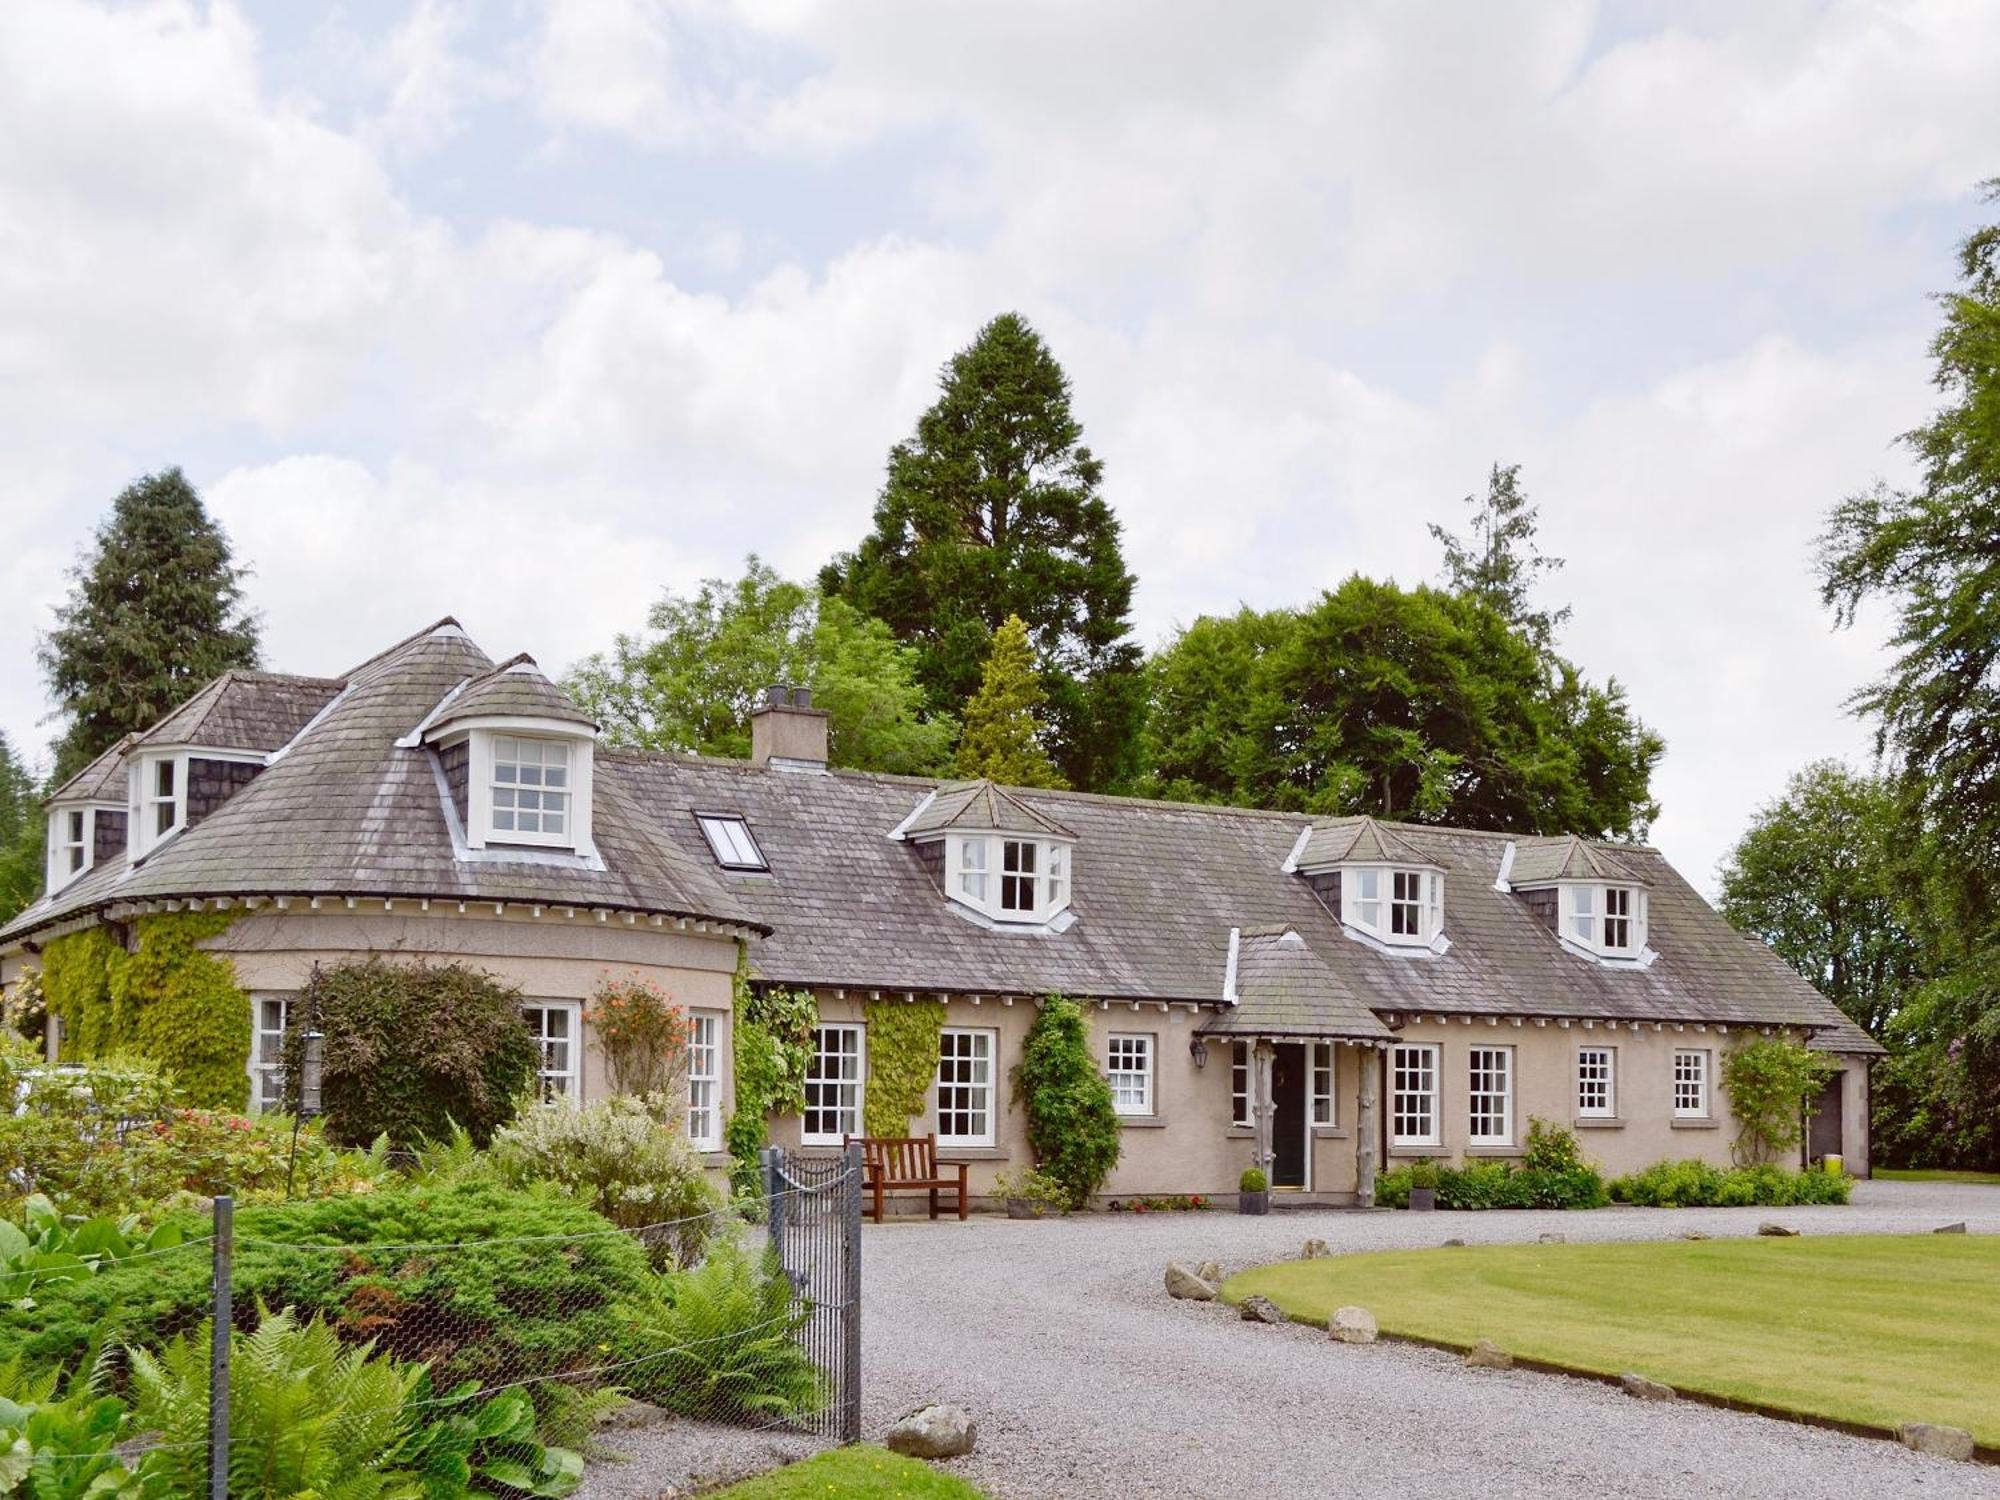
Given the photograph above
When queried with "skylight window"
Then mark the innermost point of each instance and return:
(730, 842)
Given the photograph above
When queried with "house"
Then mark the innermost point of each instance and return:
(1330, 994)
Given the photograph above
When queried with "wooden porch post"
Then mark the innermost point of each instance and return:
(1261, 1106)
(1365, 1128)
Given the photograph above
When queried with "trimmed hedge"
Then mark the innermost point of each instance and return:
(1551, 1174)
(1697, 1184)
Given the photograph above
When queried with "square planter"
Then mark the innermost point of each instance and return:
(1254, 1203)
(1423, 1200)
(1025, 1208)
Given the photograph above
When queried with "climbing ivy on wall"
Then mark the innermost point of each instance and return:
(164, 998)
(902, 1062)
(772, 1034)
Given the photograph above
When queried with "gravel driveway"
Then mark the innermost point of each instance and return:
(1087, 1381)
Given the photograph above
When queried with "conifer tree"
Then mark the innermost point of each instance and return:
(155, 610)
(22, 833)
(1499, 563)
(1003, 735)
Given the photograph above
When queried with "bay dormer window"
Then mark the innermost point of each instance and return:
(1607, 920)
(1403, 907)
(156, 798)
(71, 837)
(1007, 877)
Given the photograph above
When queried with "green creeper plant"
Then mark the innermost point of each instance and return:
(1072, 1125)
(902, 1062)
(1771, 1083)
(772, 1046)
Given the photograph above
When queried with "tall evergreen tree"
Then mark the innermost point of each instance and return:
(1002, 740)
(993, 509)
(155, 610)
(1499, 562)
(23, 833)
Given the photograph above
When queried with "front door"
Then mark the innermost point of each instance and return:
(1823, 1139)
(1288, 1120)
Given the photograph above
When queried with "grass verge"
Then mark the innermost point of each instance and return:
(863, 1472)
(1865, 1329)
(1928, 1174)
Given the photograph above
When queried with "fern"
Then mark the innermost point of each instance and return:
(728, 1328)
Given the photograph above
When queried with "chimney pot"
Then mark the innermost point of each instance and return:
(802, 697)
(775, 695)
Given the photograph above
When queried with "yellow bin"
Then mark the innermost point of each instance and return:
(1832, 1162)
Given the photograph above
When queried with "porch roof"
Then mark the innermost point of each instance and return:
(1283, 988)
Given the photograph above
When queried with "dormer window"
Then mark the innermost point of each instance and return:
(1400, 906)
(520, 790)
(1007, 878)
(730, 842)
(71, 836)
(530, 790)
(157, 798)
(1608, 920)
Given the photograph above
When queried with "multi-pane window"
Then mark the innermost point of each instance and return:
(730, 842)
(556, 1028)
(1490, 1096)
(833, 1086)
(1690, 1081)
(1322, 1083)
(1055, 877)
(972, 872)
(1583, 914)
(1366, 886)
(1596, 1089)
(1405, 907)
(1131, 1074)
(75, 840)
(1413, 1109)
(965, 1087)
(704, 1079)
(163, 803)
(1017, 875)
(531, 788)
(1239, 1083)
(1406, 903)
(1617, 916)
(267, 1053)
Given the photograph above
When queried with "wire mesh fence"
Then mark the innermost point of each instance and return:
(484, 1363)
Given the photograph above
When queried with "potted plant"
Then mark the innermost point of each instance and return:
(1027, 1193)
(1253, 1192)
(1423, 1186)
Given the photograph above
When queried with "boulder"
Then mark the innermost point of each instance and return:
(1487, 1355)
(1261, 1310)
(1454, 1243)
(1550, 1237)
(1314, 1250)
(1695, 1234)
(1940, 1442)
(1185, 1284)
(1777, 1231)
(1644, 1389)
(1958, 1228)
(630, 1415)
(1351, 1325)
(1210, 1271)
(933, 1432)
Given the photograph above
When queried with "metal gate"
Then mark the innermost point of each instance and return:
(815, 1228)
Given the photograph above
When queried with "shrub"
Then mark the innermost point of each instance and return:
(619, 1159)
(62, 1137)
(1771, 1084)
(642, 1033)
(46, 1248)
(1253, 1180)
(1029, 1186)
(1551, 1174)
(488, 1283)
(728, 1324)
(1696, 1184)
(413, 1049)
(1071, 1123)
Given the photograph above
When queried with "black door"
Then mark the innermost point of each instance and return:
(1824, 1137)
(1288, 1122)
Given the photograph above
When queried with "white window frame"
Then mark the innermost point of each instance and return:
(1130, 1062)
(977, 874)
(1489, 1096)
(1585, 917)
(704, 1079)
(1424, 1062)
(1691, 1078)
(269, 1069)
(851, 1077)
(1322, 1085)
(1375, 898)
(525, 755)
(144, 801)
(552, 1083)
(1239, 1083)
(70, 859)
(479, 830)
(1596, 1083)
(731, 841)
(966, 1078)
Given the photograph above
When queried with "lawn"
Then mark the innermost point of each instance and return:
(1873, 1329)
(1927, 1174)
(863, 1472)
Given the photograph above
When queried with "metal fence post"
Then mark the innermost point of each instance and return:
(218, 1350)
(850, 1286)
(774, 1201)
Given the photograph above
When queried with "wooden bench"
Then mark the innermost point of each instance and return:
(891, 1163)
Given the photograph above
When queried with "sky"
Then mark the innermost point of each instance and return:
(524, 312)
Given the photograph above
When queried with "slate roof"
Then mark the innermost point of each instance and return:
(1284, 988)
(514, 688)
(980, 805)
(258, 711)
(1157, 886)
(1339, 841)
(348, 812)
(103, 780)
(1542, 861)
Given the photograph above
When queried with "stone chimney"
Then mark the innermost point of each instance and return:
(787, 732)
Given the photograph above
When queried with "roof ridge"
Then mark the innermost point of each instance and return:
(447, 621)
